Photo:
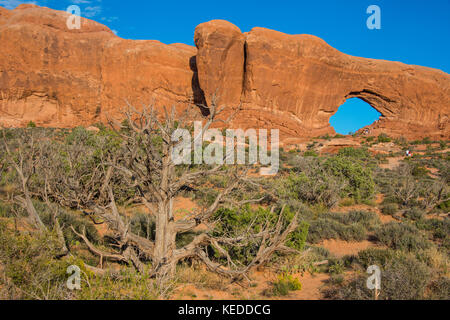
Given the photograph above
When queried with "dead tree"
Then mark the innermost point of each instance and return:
(145, 161)
(27, 153)
(24, 160)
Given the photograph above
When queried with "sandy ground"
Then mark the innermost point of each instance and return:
(340, 248)
(260, 281)
(392, 163)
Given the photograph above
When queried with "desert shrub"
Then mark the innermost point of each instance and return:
(401, 236)
(401, 186)
(354, 289)
(444, 206)
(310, 153)
(335, 267)
(189, 273)
(401, 141)
(30, 270)
(325, 180)
(127, 284)
(347, 202)
(320, 189)
(402, 278)
(419, 171)
(72, 163)
(439, 289)
(375, 256)
(233, 223)
(439, 228)
(296, 205)
(427, 140)
(67, 219)
(414, 214)
(31, 124)
(369, 220)
(383, 138)
(322, 229)
(358, 153)
(360, 184)
(5, 210)
(284, 283)
(405, 278)
(390, 209)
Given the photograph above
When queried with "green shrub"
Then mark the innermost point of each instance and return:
(369, 220)
(284, 284)
(401, 142)
(427, 140)
(30, 270)
(322, 229)
(444, 206)
(419, 171)
(414, 214)
(401, 236)
(439, 228)
(31, 124)
(128, 284)
(335, 267)
(383, 138)
(354, 289)
(347, 202)
(375, 256)
(240, 222)
(66, 220)
(360, 182)
(390, 209)
(310, 153)
(320, 189)
(402, 278)
(5, 210)
(439, 289)
(358, 153)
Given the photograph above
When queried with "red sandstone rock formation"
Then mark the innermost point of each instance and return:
(60, 77)
(299, 82)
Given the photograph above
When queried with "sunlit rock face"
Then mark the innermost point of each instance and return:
(63, 78)
(297, 82)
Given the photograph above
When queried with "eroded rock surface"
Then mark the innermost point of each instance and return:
(62, 78)
(299, 82)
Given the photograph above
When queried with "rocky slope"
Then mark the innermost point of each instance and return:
(60, 77)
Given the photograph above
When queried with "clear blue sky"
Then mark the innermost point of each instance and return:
(413, 32)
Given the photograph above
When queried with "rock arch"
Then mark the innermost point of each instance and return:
(63, 78)
(298, 82)
(354, 115)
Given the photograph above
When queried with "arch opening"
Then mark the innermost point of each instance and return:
(353, 115)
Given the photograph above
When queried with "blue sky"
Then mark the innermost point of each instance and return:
(353, 115)
(413, 32)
